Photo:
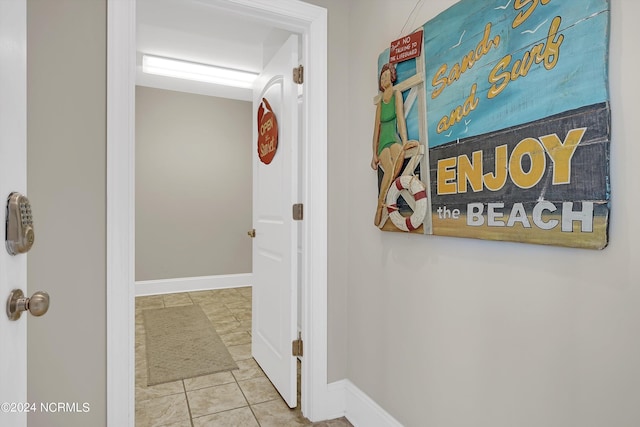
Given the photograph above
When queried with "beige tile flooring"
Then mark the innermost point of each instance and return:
(242, 398)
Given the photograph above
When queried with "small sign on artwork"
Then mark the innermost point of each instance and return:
(406, 48)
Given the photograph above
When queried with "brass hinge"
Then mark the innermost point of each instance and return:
(298, 212)
(296, 346)
(298, 74)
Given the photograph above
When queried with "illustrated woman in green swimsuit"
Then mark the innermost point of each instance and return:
(389, 135)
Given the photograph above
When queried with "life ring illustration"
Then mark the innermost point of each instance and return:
(418, 191)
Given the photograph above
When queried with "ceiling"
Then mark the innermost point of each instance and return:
(197, 31)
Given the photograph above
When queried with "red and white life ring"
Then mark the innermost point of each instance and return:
(418, 190)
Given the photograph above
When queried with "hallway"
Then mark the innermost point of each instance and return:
(243, 397)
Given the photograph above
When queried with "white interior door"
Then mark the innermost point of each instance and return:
(13, 177)
(275, 190)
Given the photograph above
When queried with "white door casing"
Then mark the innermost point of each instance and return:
(275, 190)
(13, 177)
(318, 402)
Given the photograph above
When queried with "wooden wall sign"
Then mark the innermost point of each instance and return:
(516, 123)
(267, 132)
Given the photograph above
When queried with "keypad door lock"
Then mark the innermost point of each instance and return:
(19, 235)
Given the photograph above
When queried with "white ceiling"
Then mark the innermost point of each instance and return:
(196, 31)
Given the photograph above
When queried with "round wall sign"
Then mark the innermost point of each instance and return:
(267, 132)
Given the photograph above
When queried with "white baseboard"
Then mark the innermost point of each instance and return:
(336, 399)
(191, 284)
(360, 409)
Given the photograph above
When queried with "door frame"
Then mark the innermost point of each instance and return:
(13, 177)
(311, 22)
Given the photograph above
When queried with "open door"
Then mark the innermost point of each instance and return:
(13, 177)
(275, 190)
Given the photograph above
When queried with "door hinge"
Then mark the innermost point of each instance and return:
(298, 74)
(296, 346)
(298, 212)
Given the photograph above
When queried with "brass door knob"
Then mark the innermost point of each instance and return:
(37, 305)
(252, 233)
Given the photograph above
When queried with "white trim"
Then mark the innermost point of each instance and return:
(13, 177)
(316, 401)
(359, 408)
(191, 284)
(336, 399)
(120, 213)
(292, 15)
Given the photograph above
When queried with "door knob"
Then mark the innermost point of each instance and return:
(252, 233)
(37, 305)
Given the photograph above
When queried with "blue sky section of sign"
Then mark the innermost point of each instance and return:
(578, 79)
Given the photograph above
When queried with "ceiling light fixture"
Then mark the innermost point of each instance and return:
(199, 72)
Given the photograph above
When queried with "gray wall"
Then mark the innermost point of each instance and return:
(460, 332)
(193, 185)
(523, 335)
(66, 42)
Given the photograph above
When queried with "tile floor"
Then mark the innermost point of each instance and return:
(242, 398)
